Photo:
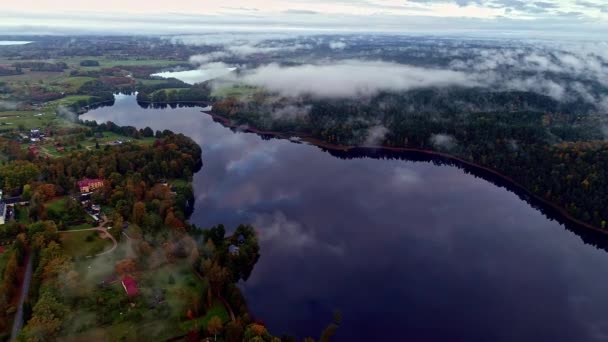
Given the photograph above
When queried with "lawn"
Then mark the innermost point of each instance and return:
(183, 277)
(57, 205)
(80, 227)
(83, 244)
(22, 214)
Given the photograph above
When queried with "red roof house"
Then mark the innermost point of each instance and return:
(88, 185)
(130, 286)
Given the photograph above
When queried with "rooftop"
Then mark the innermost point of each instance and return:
(130, 286)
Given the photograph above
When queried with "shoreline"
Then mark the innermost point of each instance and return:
(347, 148)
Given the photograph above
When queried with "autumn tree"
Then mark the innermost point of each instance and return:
(215, 326)
(126, 266)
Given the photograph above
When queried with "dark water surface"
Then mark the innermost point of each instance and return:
(408, 251)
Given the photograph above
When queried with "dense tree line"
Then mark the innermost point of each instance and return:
(41, 66)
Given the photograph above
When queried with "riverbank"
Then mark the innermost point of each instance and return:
(347, 148)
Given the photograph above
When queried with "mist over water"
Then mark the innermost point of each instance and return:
(195, 76)
(13, 42)
(409, 249)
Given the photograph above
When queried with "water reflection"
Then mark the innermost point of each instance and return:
(407, 250)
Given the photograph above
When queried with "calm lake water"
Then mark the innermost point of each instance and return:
(195, 76)
(408, 251)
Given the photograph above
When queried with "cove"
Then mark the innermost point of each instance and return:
(407, 247)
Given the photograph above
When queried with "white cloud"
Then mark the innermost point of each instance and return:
(350, 78)
(443, 141)
(337, 45)
(375, 135)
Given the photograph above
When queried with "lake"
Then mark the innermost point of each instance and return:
(407, 250)
(195, 76)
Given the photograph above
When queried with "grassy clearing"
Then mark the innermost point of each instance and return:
(79, 227)
(57, 205)
(22, 214)
(183, 277)
(25, 119)
(82, 244)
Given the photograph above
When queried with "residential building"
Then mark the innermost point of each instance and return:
(2, 212)
(130, 286)
(88, 185)
(234, 250)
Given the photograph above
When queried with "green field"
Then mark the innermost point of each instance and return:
(104, 62)
(83, 244)
(26, 119)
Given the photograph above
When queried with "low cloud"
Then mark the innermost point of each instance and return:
(350, 78)
(338, 45)
(443, 141)
(8, 105)
(67, 114)
(209, 57)
(375, 135)
(291, 112)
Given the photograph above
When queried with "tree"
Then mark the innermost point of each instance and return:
(148, 132)
(234, 331)
(215, 326)
(126, 266)
(139, 212)
(218, 275)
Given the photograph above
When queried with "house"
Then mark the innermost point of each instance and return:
(60, 149)
(2, 212)
(130, 286)
(234, 250)
(88, 185)
(35, 134)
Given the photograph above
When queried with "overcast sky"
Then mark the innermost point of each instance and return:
(561, 18)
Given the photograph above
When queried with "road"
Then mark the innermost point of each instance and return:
(25, 289)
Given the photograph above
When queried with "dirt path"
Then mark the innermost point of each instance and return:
(25, 288)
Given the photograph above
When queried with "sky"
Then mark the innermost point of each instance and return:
(567, 18)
